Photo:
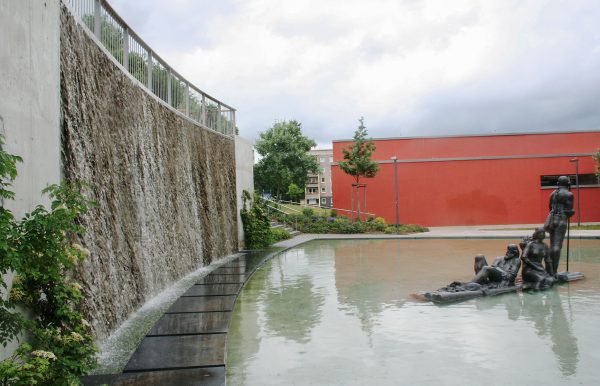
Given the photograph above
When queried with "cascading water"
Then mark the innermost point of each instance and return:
(165, 187)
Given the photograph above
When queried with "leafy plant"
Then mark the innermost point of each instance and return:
(257, 227)
(294, 192)
(40, 250)
(280, 234)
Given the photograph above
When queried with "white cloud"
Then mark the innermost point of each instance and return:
(410, 67)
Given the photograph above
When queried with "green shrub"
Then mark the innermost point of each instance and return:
(406, 228)
(376, 224)
(257, 227)
(308, 212)
(280, 234)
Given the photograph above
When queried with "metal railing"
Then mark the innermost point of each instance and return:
(146, 66)
(318, 206)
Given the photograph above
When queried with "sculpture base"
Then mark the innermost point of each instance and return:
(442, 296)
(568, 276)
(455, 293)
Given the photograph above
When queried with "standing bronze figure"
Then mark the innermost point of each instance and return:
(561, 210)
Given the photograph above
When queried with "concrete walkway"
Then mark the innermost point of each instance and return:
(476, 232)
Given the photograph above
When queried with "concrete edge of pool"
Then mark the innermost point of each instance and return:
(188, 343)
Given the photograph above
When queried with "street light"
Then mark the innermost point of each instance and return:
(395, 159)
(576, 160)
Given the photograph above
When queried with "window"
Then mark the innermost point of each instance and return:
(551, 181)
(323, 201)
(330, 159)
(323, 190)
(322, 159)
(322, 179)
(311, 190)
(313, 180)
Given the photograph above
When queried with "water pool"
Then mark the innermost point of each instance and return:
(341, 312)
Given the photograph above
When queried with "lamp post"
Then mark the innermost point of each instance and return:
(576, 160)
(395, 159)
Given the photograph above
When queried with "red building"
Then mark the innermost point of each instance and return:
(474, 180)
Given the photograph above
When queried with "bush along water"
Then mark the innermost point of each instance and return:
(308, 222)
(56, 342)
(257, 227)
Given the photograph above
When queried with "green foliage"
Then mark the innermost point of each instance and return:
(294, 192)
(405, 229)
(8, 171)
(285, 159)
(257, 227)
(358, 157)
(329, 224)
(308, 212)
(39, 249)
(280, 234)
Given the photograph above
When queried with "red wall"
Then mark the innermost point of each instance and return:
(452, 190)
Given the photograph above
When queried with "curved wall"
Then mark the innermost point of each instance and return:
(165, 187)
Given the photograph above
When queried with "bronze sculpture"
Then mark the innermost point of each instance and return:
(503, 270)
(539, 262)
(536, 252)
(561, 210)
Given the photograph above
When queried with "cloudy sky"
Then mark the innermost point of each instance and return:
(410, 67)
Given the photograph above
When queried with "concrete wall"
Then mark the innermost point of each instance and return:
(29, 100)
(29, 95)
(165, 187)
(244, 173)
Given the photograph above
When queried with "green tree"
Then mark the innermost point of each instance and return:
(357, 159)
(294, 192)
(285, 159)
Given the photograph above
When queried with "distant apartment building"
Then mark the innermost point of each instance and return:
(318, 186)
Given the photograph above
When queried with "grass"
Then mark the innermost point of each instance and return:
(297, 209)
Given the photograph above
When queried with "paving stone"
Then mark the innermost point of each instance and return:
(213, 290)
(178, 352)
(202, 304)
(211, 376)
(202, 323)
(222, 279)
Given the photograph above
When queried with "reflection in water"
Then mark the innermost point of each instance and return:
(545, 310)
(340, 312)
(293, 308)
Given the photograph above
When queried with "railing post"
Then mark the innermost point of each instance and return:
(169, 97)
(219, 128)
(150, 65)
(233, 122)
(203, 114)
(187, 99)
(126, 49)
(97, 24)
